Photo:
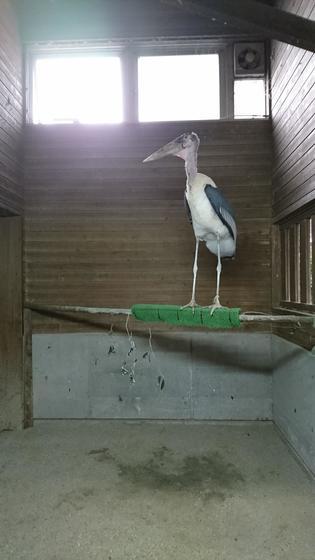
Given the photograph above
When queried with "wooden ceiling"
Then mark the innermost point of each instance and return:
(46, 20)
(42, 20)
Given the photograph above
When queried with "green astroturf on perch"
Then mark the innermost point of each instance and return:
(222, 318)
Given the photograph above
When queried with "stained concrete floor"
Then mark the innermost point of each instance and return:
(139, 491)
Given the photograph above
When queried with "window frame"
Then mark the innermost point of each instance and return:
(129, 50)
(36, 52)
(266, 100)
(297, 261)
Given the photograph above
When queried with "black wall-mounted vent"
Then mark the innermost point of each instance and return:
(249, 60)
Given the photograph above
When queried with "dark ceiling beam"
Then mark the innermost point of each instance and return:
(256, 17)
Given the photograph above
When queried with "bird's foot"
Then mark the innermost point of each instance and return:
(216, 305)
(192, 304)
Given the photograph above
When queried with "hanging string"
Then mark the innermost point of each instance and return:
(131, 370)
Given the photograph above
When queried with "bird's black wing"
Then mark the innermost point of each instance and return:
(188, 212)
(222, 208)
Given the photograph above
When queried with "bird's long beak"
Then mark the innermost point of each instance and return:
(173, 148)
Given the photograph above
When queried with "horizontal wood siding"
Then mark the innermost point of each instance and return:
(11, 111)
(293, 102)
(103, 229)
(11, 389)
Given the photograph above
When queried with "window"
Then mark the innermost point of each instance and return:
(179, 87)
(169, 79)
(249, 98)
(84, 89)
(297, 246)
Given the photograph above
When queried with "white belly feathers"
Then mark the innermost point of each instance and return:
(206, 224)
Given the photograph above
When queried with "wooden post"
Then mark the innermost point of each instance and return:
(297, 262)
(305, 288)
(276, 267)
(130, 83)
(226, 83)
(292, 263)
(27, 369)
(312, 272)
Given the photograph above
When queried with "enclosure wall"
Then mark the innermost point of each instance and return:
(104, 229)
(195, 376)
(11, 202)
(293, 101)
(11, 111)
(294, 397)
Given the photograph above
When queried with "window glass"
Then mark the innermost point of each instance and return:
(249, 98)
(181, 87)
(85, 89)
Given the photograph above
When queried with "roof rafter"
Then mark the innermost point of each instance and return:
(256, 17)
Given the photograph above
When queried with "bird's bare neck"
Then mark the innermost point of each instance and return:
(191, 166)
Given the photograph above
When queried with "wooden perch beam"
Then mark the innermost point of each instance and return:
(256, 17)
(244, 317)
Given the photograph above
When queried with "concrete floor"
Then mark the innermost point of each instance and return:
(138, 491)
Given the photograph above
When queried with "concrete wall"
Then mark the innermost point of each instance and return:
(191, 376)
(202, 376)
(294, 397)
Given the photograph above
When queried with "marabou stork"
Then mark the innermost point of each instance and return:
(209, 212)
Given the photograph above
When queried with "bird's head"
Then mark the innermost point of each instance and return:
(180, 147)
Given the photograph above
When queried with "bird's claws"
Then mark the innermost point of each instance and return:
(216, 305)
(192, 304)
(213, 308)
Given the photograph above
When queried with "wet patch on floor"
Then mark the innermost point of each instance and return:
(102, 454)
(209, 475)
(76, 499)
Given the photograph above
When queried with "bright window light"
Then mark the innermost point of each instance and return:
(84, 89)
(176, 88)
(249, 99)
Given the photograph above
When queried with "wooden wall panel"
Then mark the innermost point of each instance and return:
(293, 102)
(11, 111)
(103, 229)
(11, 390)
(11, 117)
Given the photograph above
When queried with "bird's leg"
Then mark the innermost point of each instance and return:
(219, 268)
(216, 301)
(192, 302)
